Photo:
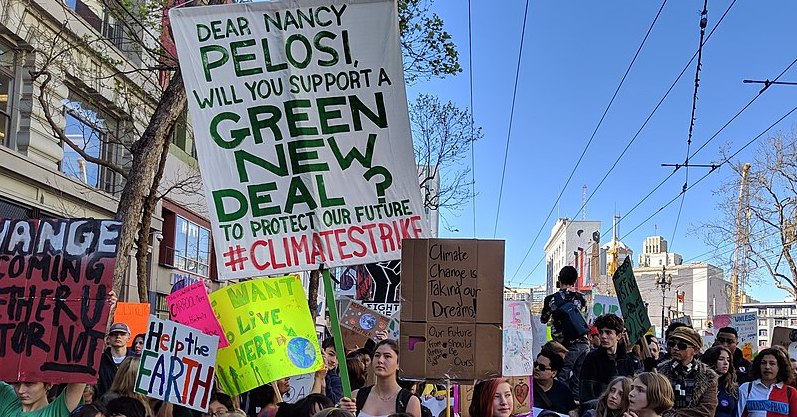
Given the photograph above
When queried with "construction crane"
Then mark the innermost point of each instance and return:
(741, 252)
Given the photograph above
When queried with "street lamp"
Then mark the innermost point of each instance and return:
(664, 282)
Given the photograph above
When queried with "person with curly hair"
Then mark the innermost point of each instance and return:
(768, 394)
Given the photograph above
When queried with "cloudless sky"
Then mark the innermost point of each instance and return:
(574, 55)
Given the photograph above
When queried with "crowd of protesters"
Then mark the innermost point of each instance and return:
(586, 371)
(616, 379)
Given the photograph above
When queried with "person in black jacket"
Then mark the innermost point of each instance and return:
(607, 361)
(577, 345)
(729, 338)
(113, 356)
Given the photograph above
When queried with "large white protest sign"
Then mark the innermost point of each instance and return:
(518, 339)
(604, 304)
(301, 126)
(177, 364)
(746, 325)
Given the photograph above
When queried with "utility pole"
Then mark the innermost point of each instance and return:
(740, 254)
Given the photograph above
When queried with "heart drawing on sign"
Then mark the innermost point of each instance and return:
(522, 392)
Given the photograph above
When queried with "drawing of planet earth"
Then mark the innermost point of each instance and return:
(301, 352)
(367, 321)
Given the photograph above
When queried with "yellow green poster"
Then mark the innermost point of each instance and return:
(271, 334)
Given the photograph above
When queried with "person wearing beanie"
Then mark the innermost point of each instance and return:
(694, 383)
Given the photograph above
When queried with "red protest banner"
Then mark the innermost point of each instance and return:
(54, 278)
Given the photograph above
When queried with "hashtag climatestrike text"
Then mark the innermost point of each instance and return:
(314, 248)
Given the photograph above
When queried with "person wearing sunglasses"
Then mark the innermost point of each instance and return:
(550, 393)
(694, 383)
(607, 361)
(729, 338)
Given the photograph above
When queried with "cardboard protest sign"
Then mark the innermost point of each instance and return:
(271, 334)
(54, 279)
(135, 316)
(518, 339)
(635, 313)
(451, 314)
(363, 320)
(177, 364)
(464, 400)
(521, 393)
(604, 304)
(746, 325)
(786, 337)
(300, 113)
(191, 306)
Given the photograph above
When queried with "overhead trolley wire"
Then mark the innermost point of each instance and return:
(592, 137)
(472, 142)
(511, 117)
(628, 145)
(698, 67)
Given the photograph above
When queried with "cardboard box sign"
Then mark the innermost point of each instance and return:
(461, 351)
(452, 280)
(452, 308)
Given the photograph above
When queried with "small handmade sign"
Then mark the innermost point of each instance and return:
(191, 306)
(177, 364)
(363, 320)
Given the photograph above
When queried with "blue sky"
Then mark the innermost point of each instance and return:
(574, 55)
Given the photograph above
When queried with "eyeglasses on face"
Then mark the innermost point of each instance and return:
(677, 343)
(540, 367)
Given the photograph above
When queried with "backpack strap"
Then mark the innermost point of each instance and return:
(403, 400)
(362, 397)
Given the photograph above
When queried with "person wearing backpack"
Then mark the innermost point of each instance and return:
(769, 394)
(565, 309)
(386, 396)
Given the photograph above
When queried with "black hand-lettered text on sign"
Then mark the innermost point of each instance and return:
(54, 278)
(635, 313)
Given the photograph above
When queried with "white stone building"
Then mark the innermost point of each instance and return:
(575, 243)
(98, 93)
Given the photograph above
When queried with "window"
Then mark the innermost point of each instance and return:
(161, 307)
(182, 137)
(89, 131)
(763, 343)
(780, 322)
(192, 247)
(762, 322)
(763, 332)
(7, 65)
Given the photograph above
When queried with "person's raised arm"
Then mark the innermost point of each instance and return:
(73, 395)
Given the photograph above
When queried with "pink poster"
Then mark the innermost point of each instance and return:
(190, 306)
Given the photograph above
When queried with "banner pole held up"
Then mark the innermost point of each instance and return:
(343, 370)
(448, 397)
